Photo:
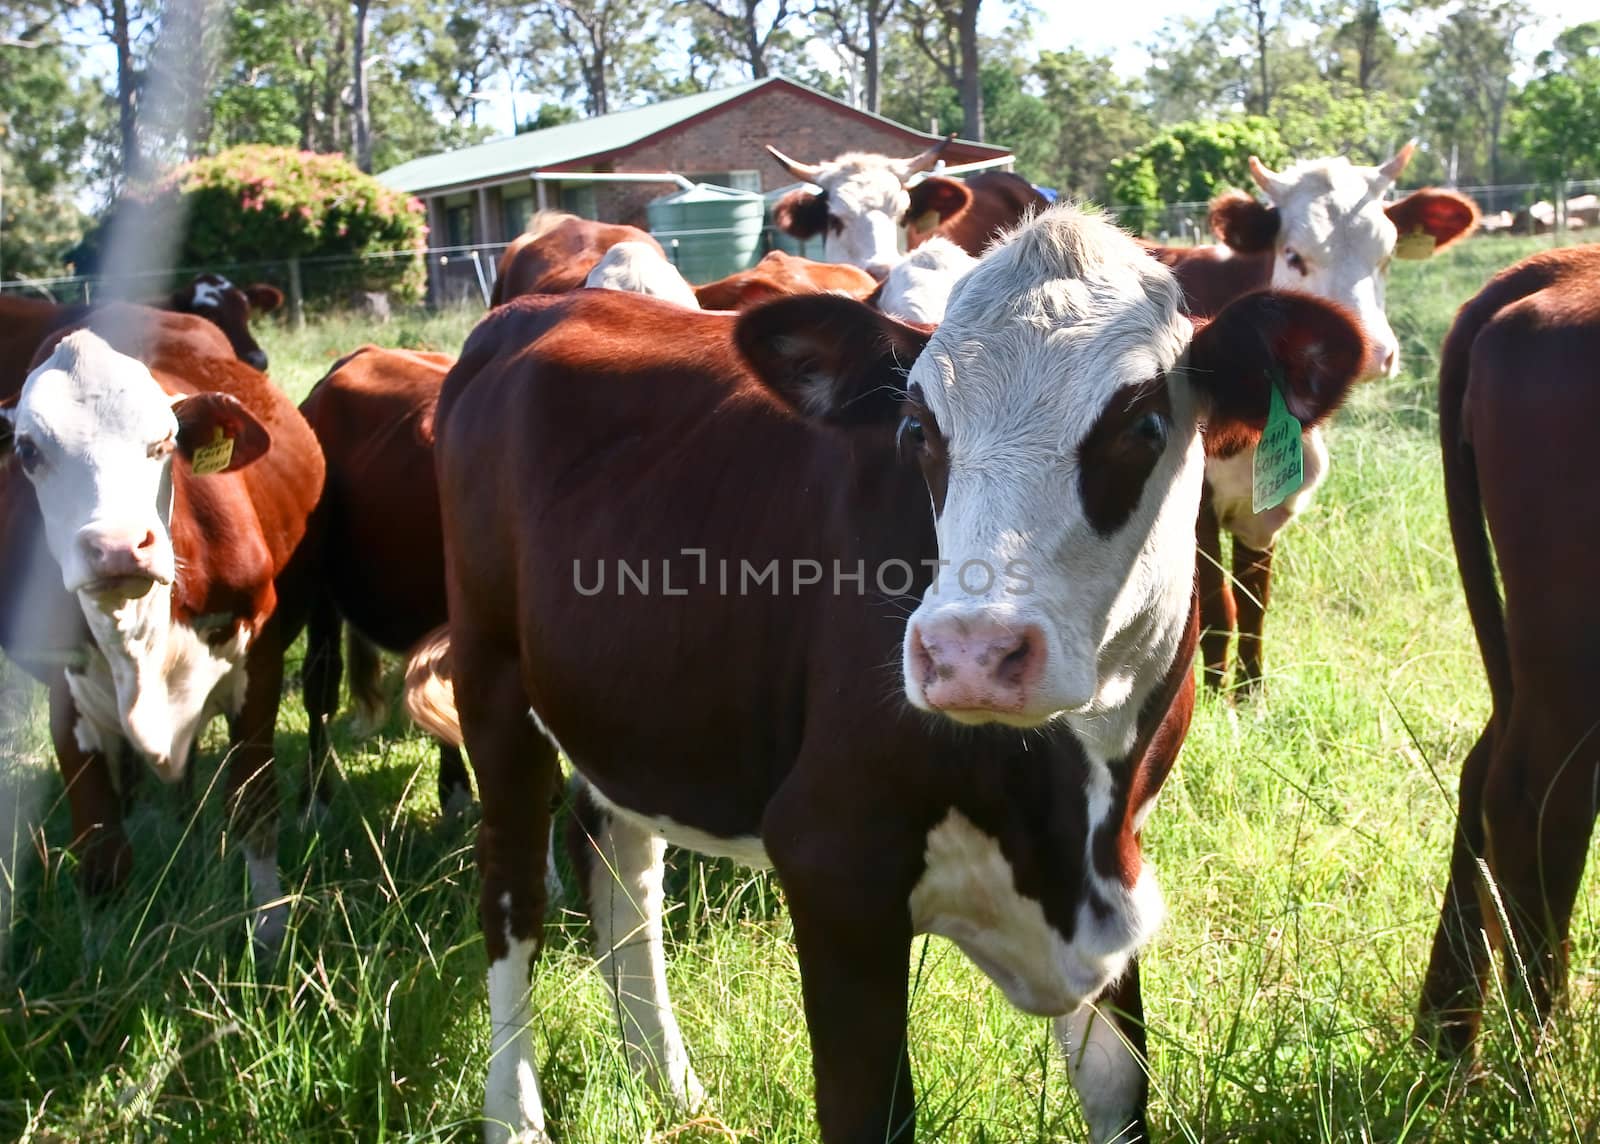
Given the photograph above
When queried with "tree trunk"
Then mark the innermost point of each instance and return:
(871, 61)
(1369, 22)
(127, 117)
(363, 113)
(1260, 9)
(754, 48)
(971, 85)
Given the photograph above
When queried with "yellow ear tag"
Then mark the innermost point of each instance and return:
(1415, 246)
(927, 220)
(212, 458)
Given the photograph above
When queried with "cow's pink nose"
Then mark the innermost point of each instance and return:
(976, 662)
(113, 553)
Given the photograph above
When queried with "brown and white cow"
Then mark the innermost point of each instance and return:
(641, 268)
(1519, 396)
(377, 542)
(556, 253)
(1324, 230)
(150, 503)
(793, 483)
(970, 212)
(25, 323)
(918, 289)
(779, 275)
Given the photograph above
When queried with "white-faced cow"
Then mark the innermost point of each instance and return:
(1324, 230)
(918, 288)
(1519, 397)
(1026, 493)
(641, 268)
(149, 502)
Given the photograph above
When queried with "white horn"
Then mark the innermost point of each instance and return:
(1265, 178)
(927, 159)
(805, 171)
(1390, 171)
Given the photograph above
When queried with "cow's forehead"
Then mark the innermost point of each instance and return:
(209, 289)
(861, 179)
(1050, 324)
(1328, 203)
(85, 390)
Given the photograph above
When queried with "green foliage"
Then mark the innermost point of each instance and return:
(1190, 163)
(1555, 119)
(1101, 117)
(268, 204)
(1329, 119)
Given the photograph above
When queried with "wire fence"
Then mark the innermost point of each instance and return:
(465, 274)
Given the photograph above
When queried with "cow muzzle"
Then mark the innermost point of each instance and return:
(120, 561)
(975, 666)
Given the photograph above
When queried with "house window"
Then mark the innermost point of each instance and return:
(738, 180)
(458, 225)
(579, 200)
(517, 212)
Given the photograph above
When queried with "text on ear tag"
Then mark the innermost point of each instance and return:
(1280, 455)
(212, 458)
(1415, 246)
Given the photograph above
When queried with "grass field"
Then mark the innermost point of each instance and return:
(1301, 845)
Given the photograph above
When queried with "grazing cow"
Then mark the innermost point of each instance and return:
(376, 538)
(25, 323)
(779, 275)
(641, 268)
(1519, 396)
(970, 212)
(786, 489)
(555, 254)
(860, 209)
(171, 490)
(1325, 230)
(918, 288)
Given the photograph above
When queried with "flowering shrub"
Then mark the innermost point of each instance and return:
(265, 205)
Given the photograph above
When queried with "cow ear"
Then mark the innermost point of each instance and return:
(937, 195)
(830, 357)
(1244, 223)
(1443, 216)
(7, 432)
(1312, 349)
(217, 434)
(263, 298)
(801, 214)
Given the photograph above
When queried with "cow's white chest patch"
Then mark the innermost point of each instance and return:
(968, 894)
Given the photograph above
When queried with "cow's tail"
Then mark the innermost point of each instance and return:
(430, 693)
(1463, 499)
(364, 671)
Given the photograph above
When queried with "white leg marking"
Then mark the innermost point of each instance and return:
(625, 903)
(266, 895)
(513, 1110)
(1106, 1074)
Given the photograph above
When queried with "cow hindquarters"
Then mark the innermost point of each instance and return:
(1104, 1044)
(515, 765)
(622, 866)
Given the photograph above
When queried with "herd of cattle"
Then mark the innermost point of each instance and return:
(906, 594)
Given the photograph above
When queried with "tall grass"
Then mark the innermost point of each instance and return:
(1301, 843)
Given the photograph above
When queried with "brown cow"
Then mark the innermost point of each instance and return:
(379, 552)
(778, 275)
(555, 254)
(970, 212)
(147, 591)
(1325, 230)
(1519, 396)
(710, 645)
(25, 323)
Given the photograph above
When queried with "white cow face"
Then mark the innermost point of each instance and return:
(860, 210)
(96, 436)
(1057, 414)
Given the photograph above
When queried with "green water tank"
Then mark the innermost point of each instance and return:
(709, 231)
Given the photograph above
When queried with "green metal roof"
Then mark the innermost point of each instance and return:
(553, 146)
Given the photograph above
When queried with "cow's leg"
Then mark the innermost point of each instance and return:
(455, 789)
(1104, 1043)
(1252, 577)
(320, 688)
(1217, 615)
(1539, 810)
(1458, 969)
(99, 840)
(252, 785)
(514, 763)
(622, 867)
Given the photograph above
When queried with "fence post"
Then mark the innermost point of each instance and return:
(297, 309)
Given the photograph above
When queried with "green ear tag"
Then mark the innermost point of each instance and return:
(212, 458)
(1280, 458)
(1416, 246)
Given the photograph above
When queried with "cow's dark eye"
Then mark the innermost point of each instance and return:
(28, 455)
(910, 435)
(1150, 430)
(1294, 261)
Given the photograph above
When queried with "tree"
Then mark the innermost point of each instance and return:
(1469, 67)
(1191, 163)
(946, 32)
(1555, 119)
(358, 79)
(858, 27)
(742, 31)
(124, 24)
(1102, 116)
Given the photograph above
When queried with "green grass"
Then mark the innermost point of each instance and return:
(1301, 844)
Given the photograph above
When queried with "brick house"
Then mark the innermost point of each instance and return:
(484, 194)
